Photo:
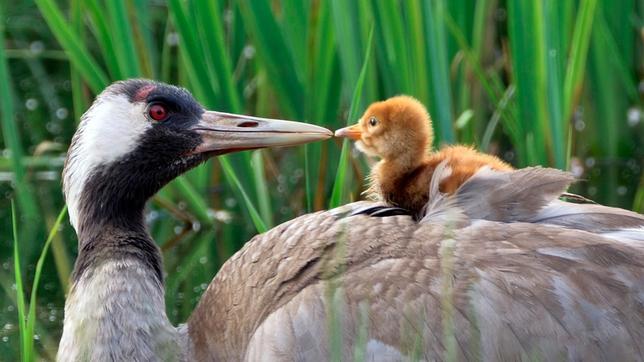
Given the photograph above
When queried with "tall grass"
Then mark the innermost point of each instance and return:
(537, 82)
(27, 317)
(12, 139)
(338, 196)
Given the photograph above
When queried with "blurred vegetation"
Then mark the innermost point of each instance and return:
(548, 82)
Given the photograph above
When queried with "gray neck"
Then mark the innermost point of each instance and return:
(103, 242)
(116, 307)
(116, 311)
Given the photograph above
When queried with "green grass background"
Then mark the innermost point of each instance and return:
(548, 82)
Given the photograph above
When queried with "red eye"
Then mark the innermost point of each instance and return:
(158, 112)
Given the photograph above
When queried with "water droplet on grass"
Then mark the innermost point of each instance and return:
(249, 51)
(31, 104)
(62, 113)
(580, 125)
(36, 47)
(172, 39)
(634, 117)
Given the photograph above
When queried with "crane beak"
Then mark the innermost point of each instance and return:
(226, 132)
(352, 132)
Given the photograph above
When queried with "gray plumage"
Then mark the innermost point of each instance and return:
(394, 289)
(474, 280)
(499, 196)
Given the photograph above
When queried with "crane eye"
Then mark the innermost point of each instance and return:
(158, 112)
(373, 121)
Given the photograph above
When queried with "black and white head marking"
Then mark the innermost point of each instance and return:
(120, 151)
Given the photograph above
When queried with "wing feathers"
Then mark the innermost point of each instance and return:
(528, 195)
(501, 196)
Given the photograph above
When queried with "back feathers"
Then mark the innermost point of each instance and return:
(527, 195)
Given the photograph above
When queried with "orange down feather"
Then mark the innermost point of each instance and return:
(399, 131)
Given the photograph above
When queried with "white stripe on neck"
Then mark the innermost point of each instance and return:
(110, 129)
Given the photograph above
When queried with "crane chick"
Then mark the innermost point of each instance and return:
(399, 131)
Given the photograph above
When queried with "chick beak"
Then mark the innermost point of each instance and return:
(226, 132)
(352, 132)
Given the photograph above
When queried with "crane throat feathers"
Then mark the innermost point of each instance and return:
(115, 193)
(115, 244)
(111, 307)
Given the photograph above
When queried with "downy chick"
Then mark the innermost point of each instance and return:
(398, 130)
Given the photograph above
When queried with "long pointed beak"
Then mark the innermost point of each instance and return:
(227, 132)
(352, 132)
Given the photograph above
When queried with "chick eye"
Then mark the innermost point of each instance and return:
(158, 112)
(373, 121)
